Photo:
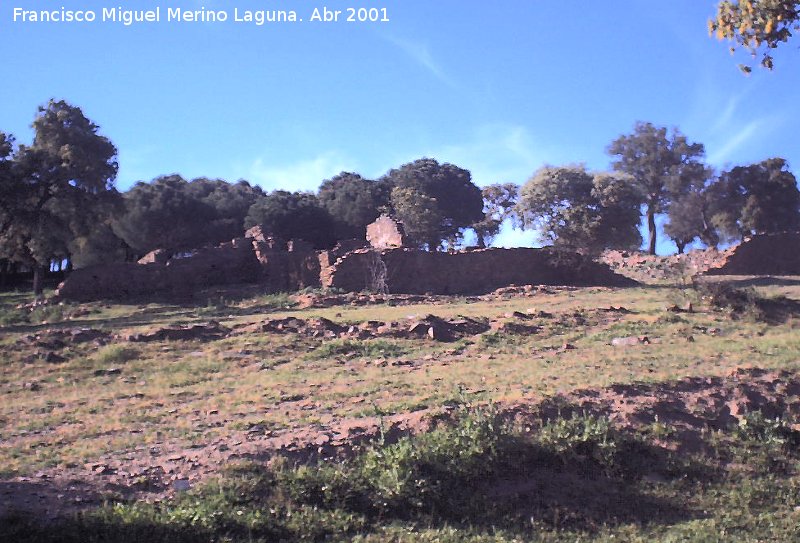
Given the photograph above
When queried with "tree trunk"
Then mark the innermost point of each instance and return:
(680, 246)
(38, 280)
(651, 228)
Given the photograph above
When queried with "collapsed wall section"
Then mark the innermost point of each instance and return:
(767, 254)
(240, 261)
(472, 272)
(233, 262)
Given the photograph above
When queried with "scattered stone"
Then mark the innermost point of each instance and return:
(53, 358)
(181, 485)
(204, 332)
(107, 371)
(628, 341)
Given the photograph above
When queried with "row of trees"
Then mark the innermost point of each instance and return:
(664, 173)
(58, 201)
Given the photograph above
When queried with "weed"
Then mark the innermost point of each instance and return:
(769, 445)
(12, 317)
(595, 444)
(740, 303)
(116, 354)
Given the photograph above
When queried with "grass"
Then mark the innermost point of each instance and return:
(360, 349)
(479, 479)
(276, 381)
(116, 354)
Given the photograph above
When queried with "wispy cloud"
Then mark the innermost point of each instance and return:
(301, 175)
(726, 116)
(421, 54)
(726, 149)
(497, 153)
(733, 123)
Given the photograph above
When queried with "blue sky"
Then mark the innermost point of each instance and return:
(499, 89)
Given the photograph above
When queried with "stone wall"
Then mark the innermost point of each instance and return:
(769, 254)
(260, 259)
(418, 272)
(233, 262)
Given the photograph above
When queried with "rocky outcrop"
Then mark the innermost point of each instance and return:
(769, 254)
(474, 272)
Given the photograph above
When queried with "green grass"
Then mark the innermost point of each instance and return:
(479, 479)
(116, 354)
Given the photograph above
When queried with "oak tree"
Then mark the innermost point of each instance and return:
(580, 210)
(63, 185)
(353, 202)
(293, 215)
(664, 165)
(760, 198)
(448, 192)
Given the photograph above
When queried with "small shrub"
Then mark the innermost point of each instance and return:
(739, 302)
(215, 305)
(415, 475)
(769, 445)
(49, 313)
(116, 354)
(762, 431)
(493, 339)
(592, 442)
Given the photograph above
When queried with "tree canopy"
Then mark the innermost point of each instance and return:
(353, 202)
(577, 209)
(293, 215)
(420, 214)
(761, 198)
(56, 189)
(499, 204)
(758, 26)
(451, 200)
(664, 166)
(690, 217)
(174, 214)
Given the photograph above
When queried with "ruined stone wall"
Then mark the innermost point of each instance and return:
(769, 254)
(289, 271)
(418, 272)
(178, 278)
(398, 270)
